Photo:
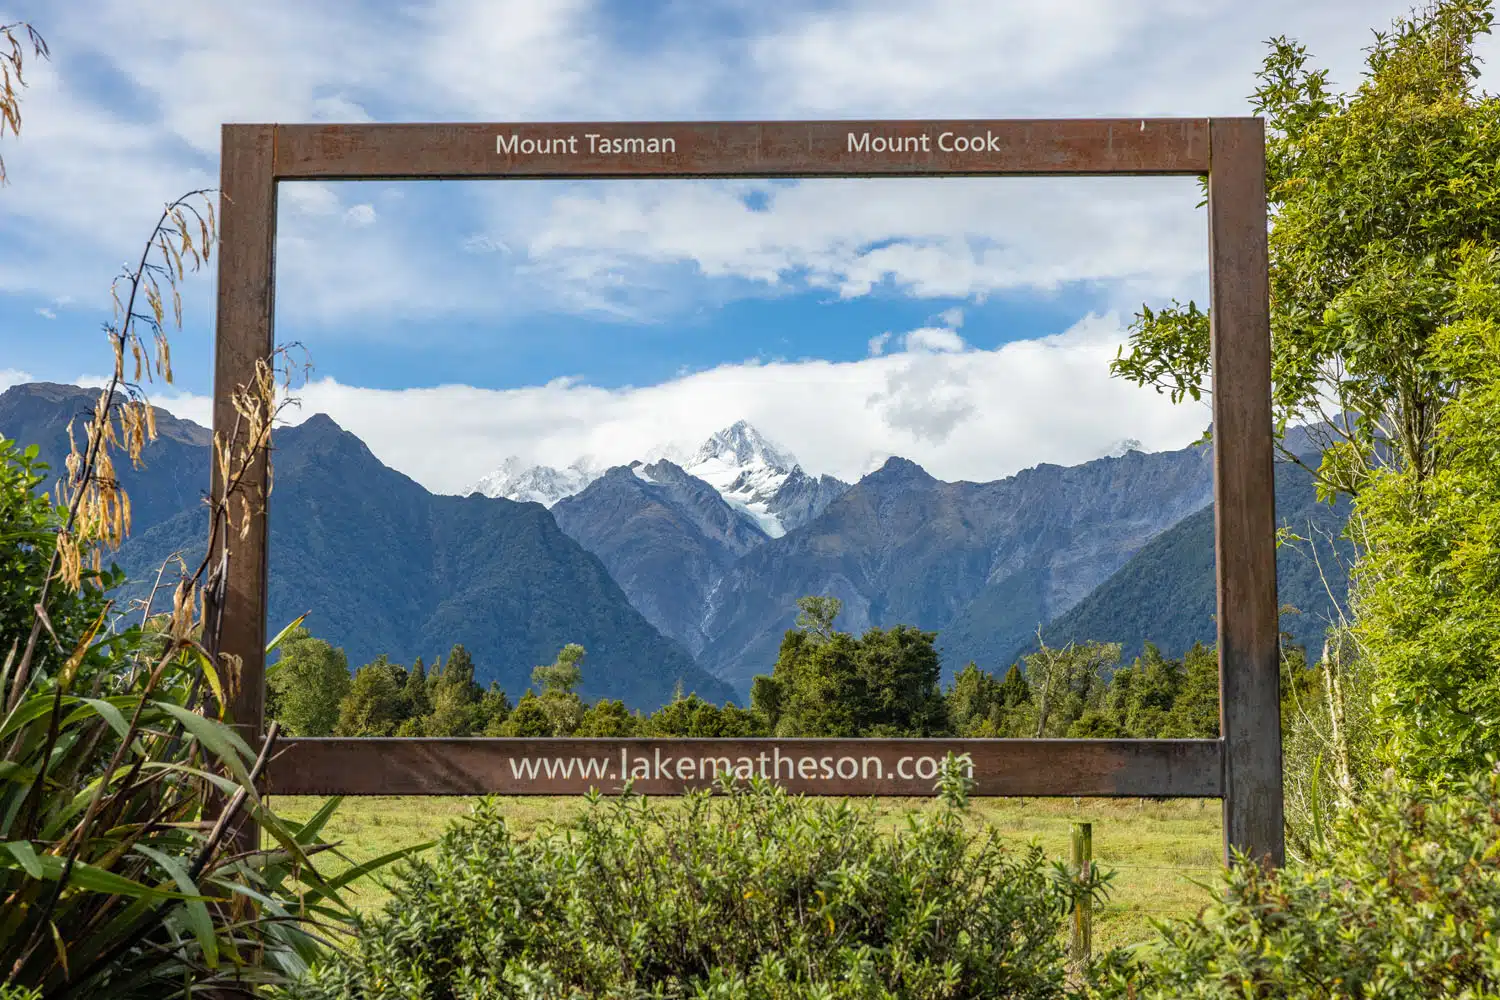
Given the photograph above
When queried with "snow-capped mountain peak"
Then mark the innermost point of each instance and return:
(1122, 448)
(747, 470)
(742, 445)
(515, 480)
(759, 479)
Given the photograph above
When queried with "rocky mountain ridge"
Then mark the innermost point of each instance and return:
(761, 481)
(384, 566)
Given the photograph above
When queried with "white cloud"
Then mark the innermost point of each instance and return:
(975, 415)
(198, 409)
(957, 237)
(1061, 58)
(127, 115)
(877, 344)
(903, 59)
(935, 339)
(46, 313)
(335, 265)
(13, 376)
(360, 215)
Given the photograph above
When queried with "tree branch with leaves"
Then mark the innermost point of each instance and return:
(1376, 197)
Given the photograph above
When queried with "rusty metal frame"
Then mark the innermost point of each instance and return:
(1243, 766)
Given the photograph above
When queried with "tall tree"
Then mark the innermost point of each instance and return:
(563, 674)
(494, 709)
(901, 670)
(528, 718)
(1375, 197)
(823, 693)
(1427, 593)
(1195, 711)
(308, 680)
(372, 706)
(455, 697)
(1141, 695)
(766, 696)
(829, 683)
(416, 699)
(1065, 682)
(975, 703)
(815, 614)
(558, 681)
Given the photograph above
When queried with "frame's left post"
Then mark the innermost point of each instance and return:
(243, 339)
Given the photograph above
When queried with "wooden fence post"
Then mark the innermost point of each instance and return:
(1083, 870)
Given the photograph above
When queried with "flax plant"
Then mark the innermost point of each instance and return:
(123, 780)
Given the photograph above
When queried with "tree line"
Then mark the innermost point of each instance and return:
(885, 682)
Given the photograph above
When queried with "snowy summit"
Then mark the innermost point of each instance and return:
(756, 477)
(542, 484)
(747, 470)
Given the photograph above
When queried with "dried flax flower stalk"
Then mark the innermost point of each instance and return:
(98, 510)
(12, 74)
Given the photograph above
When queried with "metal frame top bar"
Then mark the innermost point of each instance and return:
(742, 149)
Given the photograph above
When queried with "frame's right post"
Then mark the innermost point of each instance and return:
(1244, 490)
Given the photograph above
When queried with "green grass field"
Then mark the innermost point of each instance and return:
(1156, 848)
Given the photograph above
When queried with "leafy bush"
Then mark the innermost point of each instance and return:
(751, 893)
(1427, 615)
(29, 522)
(126, 870)
(1405, 902)
(114, 881)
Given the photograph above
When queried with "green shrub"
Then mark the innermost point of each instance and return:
(1404, 903)
(751, 894)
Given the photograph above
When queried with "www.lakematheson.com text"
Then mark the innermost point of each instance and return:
(771, 764)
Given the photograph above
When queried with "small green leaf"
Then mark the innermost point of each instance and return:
(216, 736)
(198, 919)
(23, 852)
(284, 633)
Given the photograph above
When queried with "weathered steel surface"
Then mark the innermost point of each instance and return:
(247, 226)
(744, 149)
(1244, 767)
(1244, 491)
(400, 766)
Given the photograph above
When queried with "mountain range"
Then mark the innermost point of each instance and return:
(1165, 593)
(383, 565)
(686, 566)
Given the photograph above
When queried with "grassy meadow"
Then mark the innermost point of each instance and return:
(1158, 848)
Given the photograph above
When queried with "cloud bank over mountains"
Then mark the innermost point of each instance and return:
(963, 414)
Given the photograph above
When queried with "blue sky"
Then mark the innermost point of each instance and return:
(966, 324)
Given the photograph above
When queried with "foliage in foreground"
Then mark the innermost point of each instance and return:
(115, 880)
(123, 784)
(1404, 902)
(1383, 258)
(1428, 614)
(752, 893)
